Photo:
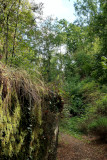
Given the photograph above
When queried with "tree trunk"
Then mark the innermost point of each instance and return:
(14, 38)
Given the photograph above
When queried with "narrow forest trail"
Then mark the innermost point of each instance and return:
(70, 148)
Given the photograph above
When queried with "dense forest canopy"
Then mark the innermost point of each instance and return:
(72, 57)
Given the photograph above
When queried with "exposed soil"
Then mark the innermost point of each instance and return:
(70, 148)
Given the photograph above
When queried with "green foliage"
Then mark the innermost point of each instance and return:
(70, 125)
(69, 56)
(81, 94)
(94, 120)
(99, 127)
(101, 106)
(104, 62)
(86, 93)
(88, 101)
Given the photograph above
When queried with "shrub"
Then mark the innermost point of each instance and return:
(102, 106)
(99, 127)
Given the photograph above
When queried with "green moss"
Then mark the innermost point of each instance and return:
(9, 124)
(12, 141)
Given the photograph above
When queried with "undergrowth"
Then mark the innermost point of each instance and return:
(69, 125)
(87, 109)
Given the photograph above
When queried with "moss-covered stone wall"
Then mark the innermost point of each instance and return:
(28, 118)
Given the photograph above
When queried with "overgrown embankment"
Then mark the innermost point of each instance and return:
(28, 117)
(86, 111)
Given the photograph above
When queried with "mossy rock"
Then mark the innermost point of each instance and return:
(26, 117)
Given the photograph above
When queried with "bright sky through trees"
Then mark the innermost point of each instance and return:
(63, 9)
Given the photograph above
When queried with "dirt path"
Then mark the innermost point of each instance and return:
(71, 148)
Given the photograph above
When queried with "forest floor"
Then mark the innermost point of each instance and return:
(88, 148)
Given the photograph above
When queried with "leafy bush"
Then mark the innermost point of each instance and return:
(82, 94)
(94, 120)
(102, 106)
(99, 127)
